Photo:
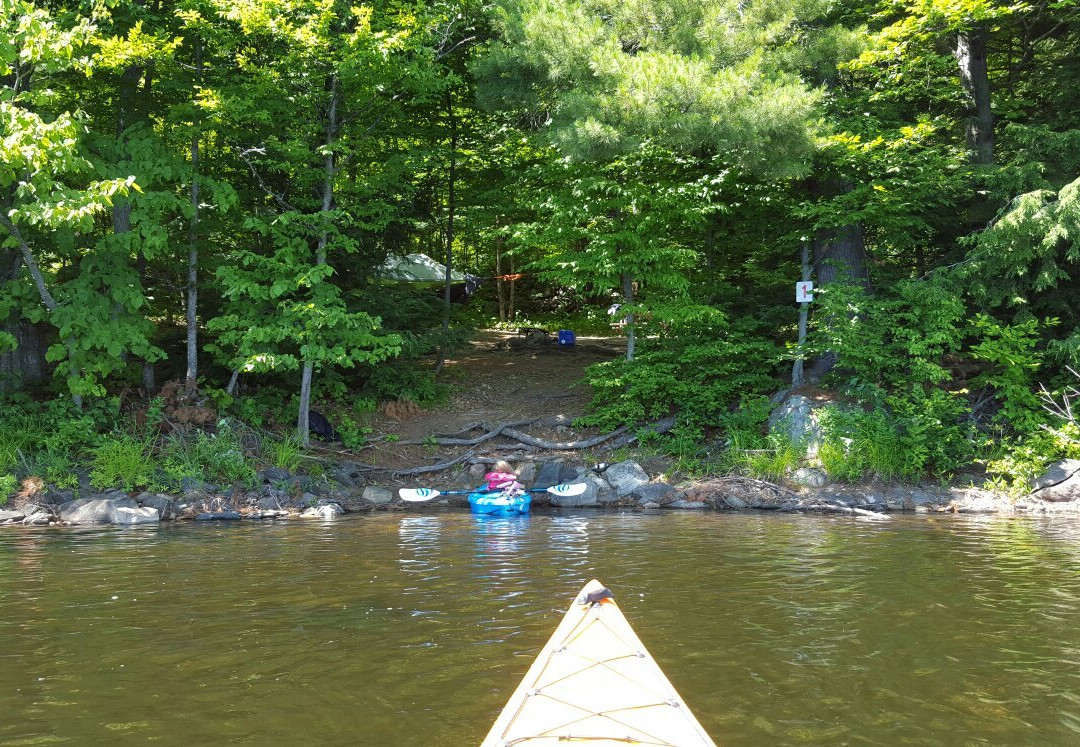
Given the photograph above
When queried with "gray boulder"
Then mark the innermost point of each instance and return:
(38, 518)
(1056, 473)
(652, 492)
(685, 504)
(734, 502)
(131, 516)
(219, 516)
(163, 504)
(1068, 490)
(552, 472)
(275, 474)
(95, 510)
(271, 502)
(6, 516)
(325, 511)
(596, 492)
(625, 477)
(796, 416)
(347, 475)
(809, 477)
(526, 473)
(377, 495)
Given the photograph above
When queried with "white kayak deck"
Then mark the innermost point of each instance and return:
(595, 683)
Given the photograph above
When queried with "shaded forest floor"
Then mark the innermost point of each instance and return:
(500, 377)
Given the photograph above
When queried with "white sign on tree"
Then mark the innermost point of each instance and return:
(804, 292)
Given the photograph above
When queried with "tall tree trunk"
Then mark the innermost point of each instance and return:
(39, 282)
(451, 204)
(26, 363)
(797, 377)
(511, 312)
(302, 421)
(628, 298)
(971, 50)
(839, 251)
(500, 284)
(192, 374)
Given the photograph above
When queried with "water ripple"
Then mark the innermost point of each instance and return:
(412, 630)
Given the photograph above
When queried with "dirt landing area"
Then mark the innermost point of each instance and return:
(500, 378)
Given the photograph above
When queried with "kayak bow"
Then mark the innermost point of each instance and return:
(595, 683)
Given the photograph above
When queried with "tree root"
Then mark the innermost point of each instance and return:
(450, 441)
(508, 430)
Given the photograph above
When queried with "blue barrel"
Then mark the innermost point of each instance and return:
(566, 337)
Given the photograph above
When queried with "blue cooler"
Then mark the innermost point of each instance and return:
(566, 337)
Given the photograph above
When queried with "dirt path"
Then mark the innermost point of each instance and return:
(500, 377)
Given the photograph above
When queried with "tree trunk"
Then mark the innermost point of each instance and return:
(511, 314)
(39, 282)
(797, 377)
(302, 421)
(628, 298)
(837, 252)
(191, 377)
(500, 284)
(25, 365)
(971, 50)
(230, 389)
(450, 205)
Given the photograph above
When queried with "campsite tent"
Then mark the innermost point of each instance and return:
(421, 271)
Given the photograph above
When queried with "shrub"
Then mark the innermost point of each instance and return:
(214, 457)
(698, 380)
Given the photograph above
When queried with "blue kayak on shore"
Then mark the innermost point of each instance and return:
(497, 503)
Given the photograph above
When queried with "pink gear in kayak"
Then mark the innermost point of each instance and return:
(503, 481)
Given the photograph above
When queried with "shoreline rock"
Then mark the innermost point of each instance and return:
(622, 486)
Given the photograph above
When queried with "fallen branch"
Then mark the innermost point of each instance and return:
(759, 484)
(438, 441)
(433, 468)
(659, 427)
(842, 509)
(540, 443)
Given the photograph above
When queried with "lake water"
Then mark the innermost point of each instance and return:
(405, 629)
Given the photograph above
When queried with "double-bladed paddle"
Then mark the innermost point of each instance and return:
(416, 495)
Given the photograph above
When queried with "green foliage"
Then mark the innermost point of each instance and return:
(888, 343)
(8, 484)
(777, 457)
(1010, 349)
(696, 377)
(285, 453)
(216, 458)
(353, 434)
(122, 460)
(608, 76)
(858, 444)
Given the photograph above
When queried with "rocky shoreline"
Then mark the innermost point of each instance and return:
(625, 485)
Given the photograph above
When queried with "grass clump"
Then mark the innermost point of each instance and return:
(285, 453)
(8, 483)
(122, 460)
(217, 458)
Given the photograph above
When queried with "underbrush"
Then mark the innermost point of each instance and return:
(694, 378)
